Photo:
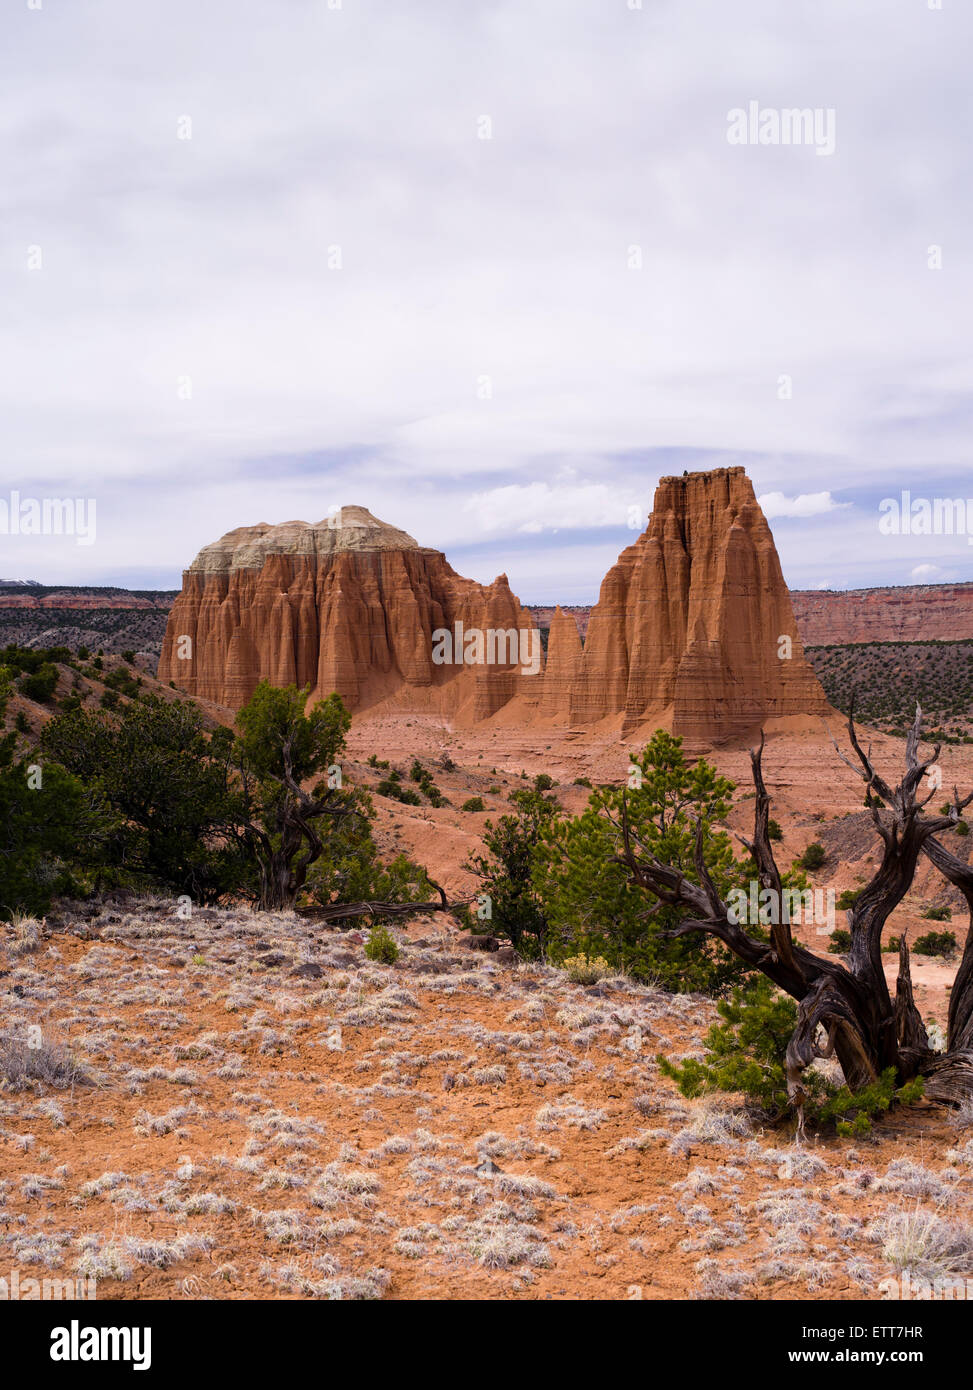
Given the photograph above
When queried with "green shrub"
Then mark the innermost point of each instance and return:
(848, 897)
(813, 857)
(506, 871)
(41, 685)
(349, 869)
(774, 831)
(839, 942)
(381, 946)
(475, 803)
(128, 655)
(590, 901)
(935, 943)
(543, 782)
(746, 1053)
(392, 787)
(852, 1112)
(938, 914)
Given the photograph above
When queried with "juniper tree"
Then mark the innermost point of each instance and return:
(843, 1009)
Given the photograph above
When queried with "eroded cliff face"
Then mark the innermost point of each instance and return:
(911, 613)
(349, 604)
(694, 622)
(695, 615)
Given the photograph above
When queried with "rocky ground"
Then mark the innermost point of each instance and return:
(242, 1106)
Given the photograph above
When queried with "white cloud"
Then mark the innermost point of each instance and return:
(464, 260)
(535, 507)
(925, 574)
(804, 504)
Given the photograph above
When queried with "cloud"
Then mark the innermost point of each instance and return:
(931, 574)
(805, 504)
(536, 507)
(345, 273)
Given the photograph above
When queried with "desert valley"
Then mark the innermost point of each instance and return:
(486, 677)
(230, 1101)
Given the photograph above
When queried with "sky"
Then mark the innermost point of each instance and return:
(489, 268)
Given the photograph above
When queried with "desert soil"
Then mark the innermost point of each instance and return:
(446, 1127)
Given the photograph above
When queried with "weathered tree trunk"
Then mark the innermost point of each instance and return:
(843, 1010)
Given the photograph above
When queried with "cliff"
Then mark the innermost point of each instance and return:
(349, 604)
(694, 616)
(911, 613)
(694, 620)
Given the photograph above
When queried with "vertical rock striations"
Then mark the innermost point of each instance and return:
(694, 617)
(694, 623)
(349, 605)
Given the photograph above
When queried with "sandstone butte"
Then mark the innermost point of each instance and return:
(691, 629)
(347, 605)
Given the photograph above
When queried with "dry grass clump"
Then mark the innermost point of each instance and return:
(28, 934)
(583, 969)
(923, 1243)
(23, 1065)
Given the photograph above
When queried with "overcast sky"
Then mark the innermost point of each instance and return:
(337, 291)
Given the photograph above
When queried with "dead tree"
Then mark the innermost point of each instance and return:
(844, 1010)
(338, 912)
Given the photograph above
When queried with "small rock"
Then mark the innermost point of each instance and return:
(341, 958)
(506, 955)
(274, 958)
(310, 970)
(471, 942)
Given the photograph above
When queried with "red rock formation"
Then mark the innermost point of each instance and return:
(564, 658)
(692, 621)
(78, 600)
(693, 617)
(910, 613)
(349, 605)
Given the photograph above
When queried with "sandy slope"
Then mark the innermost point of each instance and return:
(236, 1145)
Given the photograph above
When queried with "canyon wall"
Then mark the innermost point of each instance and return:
(911, 613)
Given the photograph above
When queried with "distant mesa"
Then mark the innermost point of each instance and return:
(689, 628)
(910, 613)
